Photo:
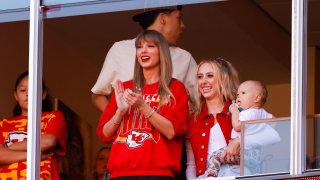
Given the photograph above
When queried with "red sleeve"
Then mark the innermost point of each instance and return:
(190, 125)
(57, 127)
(178, 111)
(1, 133)
(108, 113)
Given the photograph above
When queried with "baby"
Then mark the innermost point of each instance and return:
(251, 97)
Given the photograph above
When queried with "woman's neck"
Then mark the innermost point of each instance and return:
(215, 105)
(151, 76)
(24, 113)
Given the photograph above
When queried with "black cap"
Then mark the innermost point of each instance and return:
(148, 16)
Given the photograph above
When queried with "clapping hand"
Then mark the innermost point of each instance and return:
(122, 104)
(134, 98)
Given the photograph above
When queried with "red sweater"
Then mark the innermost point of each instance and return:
(138, 148)
(199, 132)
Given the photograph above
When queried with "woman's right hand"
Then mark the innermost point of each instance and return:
(123, 106)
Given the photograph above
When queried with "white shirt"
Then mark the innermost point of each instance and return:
(252, 114)
(216, 140)
(119, 64)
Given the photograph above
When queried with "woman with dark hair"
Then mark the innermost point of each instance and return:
(46, 101)
(13, 136)
(146, 117)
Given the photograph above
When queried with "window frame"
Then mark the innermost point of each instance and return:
(298, 88)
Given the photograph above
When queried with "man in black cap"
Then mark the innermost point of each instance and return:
(119, 62)
(170, 22)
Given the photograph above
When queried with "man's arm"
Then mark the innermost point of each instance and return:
(190, 81)
(99, 101)
(108, 75)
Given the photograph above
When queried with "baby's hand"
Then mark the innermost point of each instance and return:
(233, 108)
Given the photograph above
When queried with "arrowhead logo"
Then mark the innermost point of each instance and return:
(136, 138)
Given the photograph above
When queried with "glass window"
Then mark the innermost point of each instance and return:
(76, 46)
(13, 4)
(313, 142)
(14, 10)
(62, 8)
(266, 146)
(14, 60)
(313, 88)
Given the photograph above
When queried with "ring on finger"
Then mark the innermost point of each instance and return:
(232, 158)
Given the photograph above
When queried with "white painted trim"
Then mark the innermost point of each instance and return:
(298, 86)
(34, 91)
(64, 8)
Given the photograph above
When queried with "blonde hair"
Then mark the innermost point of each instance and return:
(165, 65)
(228, 81)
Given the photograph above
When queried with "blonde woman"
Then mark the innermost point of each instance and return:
(146, 117)
(209, 129)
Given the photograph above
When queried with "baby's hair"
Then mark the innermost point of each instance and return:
(262, 90)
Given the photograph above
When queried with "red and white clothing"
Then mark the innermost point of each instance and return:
(204, 137)
(14, 130)
(138, 148)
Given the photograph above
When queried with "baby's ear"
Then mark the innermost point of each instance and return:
(257, 99)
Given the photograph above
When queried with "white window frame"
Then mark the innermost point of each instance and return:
(35, 90)
(298, 88)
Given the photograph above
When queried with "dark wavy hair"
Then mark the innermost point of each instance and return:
(46, 103)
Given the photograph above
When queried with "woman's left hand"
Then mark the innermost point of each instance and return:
(133, 99)
(231, 154)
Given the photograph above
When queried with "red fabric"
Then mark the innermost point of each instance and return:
(199, 133)
(306, 178)
(14, 129)
(138, 148)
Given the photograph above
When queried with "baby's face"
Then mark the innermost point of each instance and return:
(247, 95)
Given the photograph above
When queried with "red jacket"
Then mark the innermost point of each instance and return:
(199, 132)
